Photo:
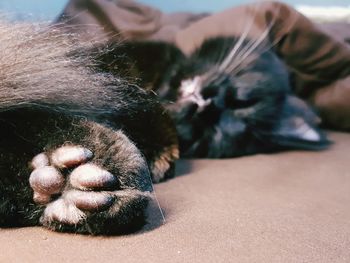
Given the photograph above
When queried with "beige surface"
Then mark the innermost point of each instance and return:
(287, 207)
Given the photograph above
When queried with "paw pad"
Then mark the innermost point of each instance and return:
(46, 181)
(90, 176)
(81, 190)
(80, 196)
(70, 156)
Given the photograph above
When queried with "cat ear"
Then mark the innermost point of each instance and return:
(297, 127)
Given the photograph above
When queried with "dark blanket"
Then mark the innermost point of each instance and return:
(320, 61)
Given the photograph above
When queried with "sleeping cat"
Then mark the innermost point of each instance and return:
(78, 148)
(94, 141)
(227, 99)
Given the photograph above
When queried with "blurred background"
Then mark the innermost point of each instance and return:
(47, 10)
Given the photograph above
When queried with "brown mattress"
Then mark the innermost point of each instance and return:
(286, 207)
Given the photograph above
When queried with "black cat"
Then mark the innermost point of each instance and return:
(226, 98)
(93, 141)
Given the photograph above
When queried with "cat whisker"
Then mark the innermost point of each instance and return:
(231, 56)
(235, 51)
(228, 60)
(250, 46)
(255, 44)
(260, 46)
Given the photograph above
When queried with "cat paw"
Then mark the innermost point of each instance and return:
(81, 196)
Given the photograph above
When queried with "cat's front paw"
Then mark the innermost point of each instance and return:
(81, 196)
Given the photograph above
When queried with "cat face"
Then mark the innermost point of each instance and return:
(225, 107)
(229, 98)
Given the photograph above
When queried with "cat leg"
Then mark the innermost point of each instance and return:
(8, 210)
(101, 190)
(162, 161)
(16, 207)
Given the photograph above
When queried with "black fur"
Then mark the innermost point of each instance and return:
(51, 96)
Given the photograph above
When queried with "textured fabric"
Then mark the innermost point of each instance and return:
(285, 207)
(106, 19)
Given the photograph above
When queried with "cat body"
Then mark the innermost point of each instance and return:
(80, 146)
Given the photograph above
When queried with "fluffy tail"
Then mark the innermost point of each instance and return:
(42, 66)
